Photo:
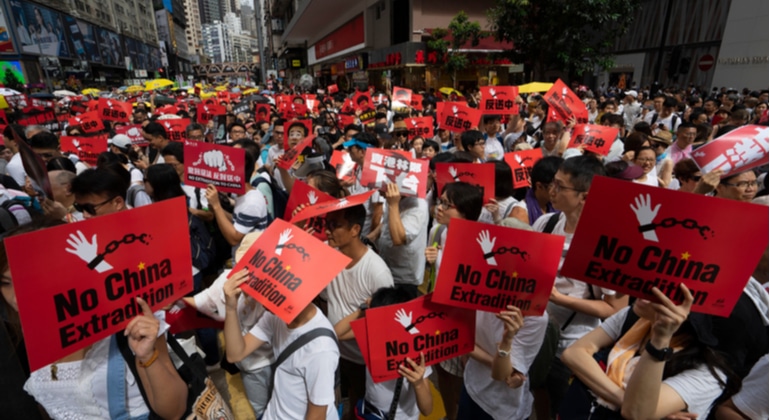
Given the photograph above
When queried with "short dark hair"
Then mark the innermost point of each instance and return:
(44, 140)
(468, 199)
(249, 146)
(613, 119)
(380, 115)
(685, 124)
(430, 144)
(503, 179)
(60, 163)
(581, 170)
(367, 138)
(470, 137)
(354, 215)
(490, 118)
(297, 124)
(174, 149)
(352, 127)
(101, 181)
(279, 121)
(392, 295)
(193, 127)
(328, 182)
(544, 170)
(236, 124)
(155, 129)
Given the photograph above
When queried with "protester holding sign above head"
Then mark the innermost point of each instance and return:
(575, 307)
(356, 148)
(741, 186)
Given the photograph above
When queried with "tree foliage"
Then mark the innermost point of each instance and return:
(569, 35)
(11, 81)
(462, 31)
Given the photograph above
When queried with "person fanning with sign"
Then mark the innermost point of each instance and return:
(575, 307)
(304, 382)
(657, 359)
(464, 201)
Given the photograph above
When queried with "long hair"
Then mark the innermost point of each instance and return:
(164, 182)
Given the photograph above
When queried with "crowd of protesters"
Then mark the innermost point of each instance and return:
(522, 366)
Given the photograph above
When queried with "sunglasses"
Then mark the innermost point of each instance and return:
(90, 208)
(401, 134)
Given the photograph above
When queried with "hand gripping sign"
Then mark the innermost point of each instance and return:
(488, 267)
(481, 175)
(86, 149)
(594, 138)
(661, 238)
(303, 194)
(521, 163)
(382, 167)
(565, 104)
(737, 151)
(94, 270)
(499, 100)
(288, 268)
(404, 330)
(206, 163)
(286, 160)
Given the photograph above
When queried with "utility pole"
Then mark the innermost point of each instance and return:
(260, 42)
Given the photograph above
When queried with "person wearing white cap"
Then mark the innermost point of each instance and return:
(121, 145)
(631, 108)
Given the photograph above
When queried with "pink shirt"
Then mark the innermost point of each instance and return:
(678, 154)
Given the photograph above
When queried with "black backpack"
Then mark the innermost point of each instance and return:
(201, 243)
(280, 197)
(13, 213)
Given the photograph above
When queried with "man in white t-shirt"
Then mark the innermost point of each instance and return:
(357, 150)
(575, 307)
(304, 382)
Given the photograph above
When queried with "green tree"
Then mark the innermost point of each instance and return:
(11, 81)
(462, 31)
(573, 36)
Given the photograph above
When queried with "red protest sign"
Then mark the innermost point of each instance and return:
(416, 102)
(594, 138)
(402, 95)
(395, 332)
(207, 112)
(420, 126)
(208, 163)
(100, 265)
(521, 163)
(286, 160)
(565, 103)
(188, 318)
(344, 120)
(176, 129)
(343, 165)
(362, 101)
(112, 110)
(90, 122)
(134, 132)
(488, 267)
(47, 119)
(324, 207)
(660, 238)
(458, 117)
(741, 149)
(382, 167)
(332, 89)
(288, 268)
(305, 195)
(480, 174)
(86, 149)
(295, 132)
(262, 112)
(499, 100)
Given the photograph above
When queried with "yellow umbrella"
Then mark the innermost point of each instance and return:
(535, 87)
(134, 89)
(250, 91)
(448, 91)
(206, 95)
(221, 88)
(90, 91)
(158, 84)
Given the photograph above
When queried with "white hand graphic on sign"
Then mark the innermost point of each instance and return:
(645, 214)
(453, 173)
(406, 321)
(85, 250)
(282, 239)
(312, 197)
(487, 245)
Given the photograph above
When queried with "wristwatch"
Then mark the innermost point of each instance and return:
(661, 355)
(503, 353)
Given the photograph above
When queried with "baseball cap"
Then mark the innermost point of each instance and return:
(633, 93)
(121, 141)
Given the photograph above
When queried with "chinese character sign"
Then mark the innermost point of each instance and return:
(594, 138)
(382, 167)
(112, 110)
(458, 118)
(499, 100)
(739, 150)
(565, 103)
(521, 163)
(207, 112)
(222, 166)
(176, 128)
(481, 175)
(86, 149)
(420, 127)
(90, 122)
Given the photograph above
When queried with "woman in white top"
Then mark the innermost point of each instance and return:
(503, 205)
(645, 158)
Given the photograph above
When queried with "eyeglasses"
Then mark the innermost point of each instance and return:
(480, 143)
(445, 204)
(237, 132)
(742, 184)
(90, 208)
(400, 134)
(645, 160)
(558, 187)
(197, 138)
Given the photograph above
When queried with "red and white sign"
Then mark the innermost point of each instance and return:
(288, 268)
(499, 100)
(332, 89)
(112, 110)
(362, 101)
(324, 207)
(134, 132)
(176, 129)
(458, 117)
(706, 62)
(287, 160)
(481, 175)
(420, 126)
(488, 267)
(93, 272)
(565, 104)
(416, 102)
(737, 151)
(86, 149)
(345, 120)
(402, 95)
(343, 165)
(90, 122)
(383, 167)
(222, 166)
(521, 163)
(394, 332)
(262, 112)
(660, 238)
(305, 195)
(594, 138)
(207, 112)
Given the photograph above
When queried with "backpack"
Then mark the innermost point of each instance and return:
(131, 194)
(279, 195)
(13, 213)
(201, 243)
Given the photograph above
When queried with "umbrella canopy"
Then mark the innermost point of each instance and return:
(63, 93)
(535, 87)
(4, 91)
(158, 84)
(221, 88)
(134, 89)
(42, 95)
(256, 98)
(164, 100)
(449, 91)
(250, 91)
(206, 95)
(90, 91)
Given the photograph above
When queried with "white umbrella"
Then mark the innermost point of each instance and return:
(4, 91)
(63, 93)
